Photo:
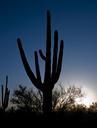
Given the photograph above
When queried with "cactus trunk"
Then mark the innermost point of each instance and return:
(47, 101)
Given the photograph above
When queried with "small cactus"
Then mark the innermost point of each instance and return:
(5, 95)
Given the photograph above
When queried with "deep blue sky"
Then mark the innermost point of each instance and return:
(76, 21)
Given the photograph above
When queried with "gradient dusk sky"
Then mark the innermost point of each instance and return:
(76, 22)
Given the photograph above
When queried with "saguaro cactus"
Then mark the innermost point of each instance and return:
(5, 95)
(52, 67)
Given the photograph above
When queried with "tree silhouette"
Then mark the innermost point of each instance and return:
(5, 96)
(65, 98)
(52, 71)
(27, 99)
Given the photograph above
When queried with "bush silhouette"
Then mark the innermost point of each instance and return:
(66, 98)
(27, 99)
(31, 100)
(52, 71)
(93, 107)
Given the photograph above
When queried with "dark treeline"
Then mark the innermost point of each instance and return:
(26, 105)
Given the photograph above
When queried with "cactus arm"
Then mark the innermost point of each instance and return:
(48, 50)
(37, 68)
(6, 82)
(2, 94)
(27, 67)
(42, 55)
(5, 95)
(6, 92)
(55, 51)
(59, 65)
(6, 99)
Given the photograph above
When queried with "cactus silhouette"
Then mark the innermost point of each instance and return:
(52, 68)
(5, 95)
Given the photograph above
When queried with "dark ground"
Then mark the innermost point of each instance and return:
(60, 119)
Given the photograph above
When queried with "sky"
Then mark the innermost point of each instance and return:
(76, 22)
